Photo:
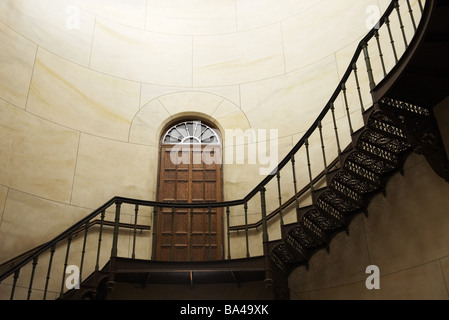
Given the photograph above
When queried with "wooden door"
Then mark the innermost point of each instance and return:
(186, 234)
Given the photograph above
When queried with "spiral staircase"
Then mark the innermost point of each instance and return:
(400, 121)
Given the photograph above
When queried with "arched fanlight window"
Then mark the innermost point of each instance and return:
(191, 132)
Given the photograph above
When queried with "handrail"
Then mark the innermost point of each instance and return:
(111, 224)
(78, 227)
(32, 252)
(60, 237)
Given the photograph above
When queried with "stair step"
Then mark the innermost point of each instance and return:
(361, 172)
(378, 153)
(332, 213)
(300, 212)
(360, 186)
(328, 225)
(314, 230)
(345, 154)
(331, 174)
(303, 242)
(338, 206)
(374, 168)
(379, 122)
(389, 143)
(286, 258)
(286, 228)
(387, 104)
(270, 245)
(349, 193)
(317, 193)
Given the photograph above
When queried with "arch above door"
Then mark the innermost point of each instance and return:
(158, 114)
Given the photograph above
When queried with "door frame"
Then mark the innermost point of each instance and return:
(220, 233)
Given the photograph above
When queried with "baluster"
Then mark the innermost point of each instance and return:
(69, 242)
(33, 271)
(100, 234)
(172, 233)
(396, 6)
(381, 55)
(52, 253)
(84, 250)
(136, 212)
(14, 284)
(114, 249)
(153, 251)
(245, 207)
(343, 87)
(210, 232)
(295, 182)
(387, 22)
(354, 68)
(332, 106)
(265, 237)
(278, 176)
(191, 233)
(228, 211)
(410, 10)
(263, 206)
(369, 69)
(309, 165)
(421, 6)
(323, 148)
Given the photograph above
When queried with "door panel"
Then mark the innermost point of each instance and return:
(183, 234)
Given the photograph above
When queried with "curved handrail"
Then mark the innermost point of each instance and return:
(226, 204)
(42, 248)
(14, 261)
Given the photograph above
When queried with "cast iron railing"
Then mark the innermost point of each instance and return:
(42, 272)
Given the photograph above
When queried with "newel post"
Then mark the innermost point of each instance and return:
(265, 238)
(114, 250)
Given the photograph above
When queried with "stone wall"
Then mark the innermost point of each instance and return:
(87, 88)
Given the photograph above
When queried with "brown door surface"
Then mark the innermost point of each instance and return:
(186, 234)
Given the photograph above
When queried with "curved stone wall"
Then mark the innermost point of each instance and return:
(86, 88)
